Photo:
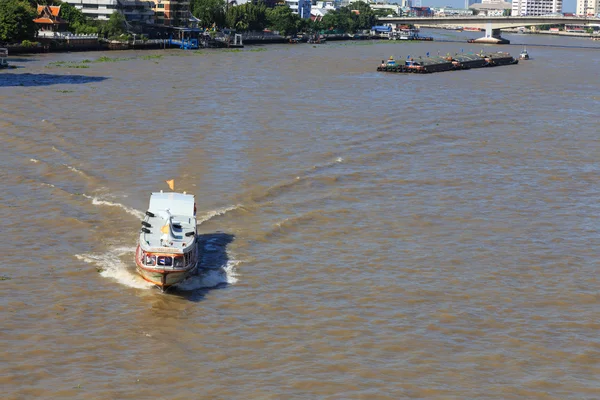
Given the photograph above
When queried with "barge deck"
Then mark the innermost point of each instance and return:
(425, 65)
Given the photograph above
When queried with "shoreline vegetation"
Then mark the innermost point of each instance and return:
(257, 23)
(219, 20)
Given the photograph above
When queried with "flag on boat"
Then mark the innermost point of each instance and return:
(171, 184)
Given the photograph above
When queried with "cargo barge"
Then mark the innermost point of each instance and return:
(426, 65)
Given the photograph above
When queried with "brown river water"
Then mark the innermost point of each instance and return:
(364, 235)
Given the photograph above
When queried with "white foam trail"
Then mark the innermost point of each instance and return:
(209, 278)
(220, 211)
(33, 160)
(74, 169)
(129, 210)
(329, 164)
(111, 266)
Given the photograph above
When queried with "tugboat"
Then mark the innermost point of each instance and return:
(167, 250)
(3, 57)
(524, 55)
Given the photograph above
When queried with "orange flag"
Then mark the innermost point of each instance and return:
(171, 184)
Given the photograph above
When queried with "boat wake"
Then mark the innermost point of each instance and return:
(206, 278)
(216, 265)
(110, 265)
(282, 187)
(215, 213)
(97, 202)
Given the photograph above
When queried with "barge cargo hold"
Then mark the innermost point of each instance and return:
(424, 65)
(468, 61)
(500, 58)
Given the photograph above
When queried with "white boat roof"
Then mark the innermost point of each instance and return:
(172, 216)
(175, 203)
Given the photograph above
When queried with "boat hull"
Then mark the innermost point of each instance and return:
(162, 277)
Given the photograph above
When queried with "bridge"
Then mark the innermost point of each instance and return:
(492, 25)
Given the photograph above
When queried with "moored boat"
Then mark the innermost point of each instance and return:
(167, 250)
(3, 58)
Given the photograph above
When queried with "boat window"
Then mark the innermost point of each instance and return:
(165, 260)
(150, 260)
(179, 262)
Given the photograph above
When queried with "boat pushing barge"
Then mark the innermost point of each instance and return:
(425, 65)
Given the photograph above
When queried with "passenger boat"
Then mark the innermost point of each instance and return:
(3, 58)
(167, 250)
(524, 55)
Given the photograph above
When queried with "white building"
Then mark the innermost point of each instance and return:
(300, 7)
(375, 4)
(536, 7)
(319, 10)
(492, 8)
(588, 7)
(395, 8)
(449, 11)
(133, 10)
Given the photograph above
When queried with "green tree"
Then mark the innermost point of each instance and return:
(78, 23)
(283, 20)
(115, 25)
(247, 17)
(71, 14)
(209, 12)
(16, 21)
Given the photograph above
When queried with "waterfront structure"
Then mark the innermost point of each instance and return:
(170, 12)
(375, 4)
(48, 21)
(536, 7)
(318, 11)
(588, 7)
(492, 9)
(393, 8)
(449, 11)
(133, 10)
(420, 12)
(300, 7)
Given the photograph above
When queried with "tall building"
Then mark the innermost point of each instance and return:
(536, 7)
(171, 12)
(588, 7)
(300, 7)
(469, 3)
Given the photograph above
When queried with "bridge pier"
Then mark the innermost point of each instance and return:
(492, 36)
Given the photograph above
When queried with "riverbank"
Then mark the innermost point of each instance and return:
(154, 44)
